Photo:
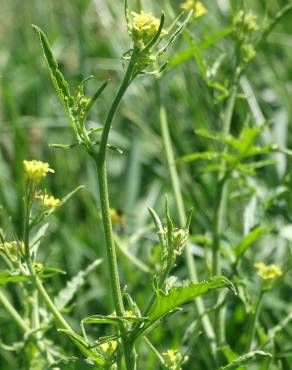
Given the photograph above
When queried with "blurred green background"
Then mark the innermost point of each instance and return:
(90, 37)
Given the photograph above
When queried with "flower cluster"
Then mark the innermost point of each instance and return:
(268, 272)
(245, 25)
(245, 22)
(196, 6)
(36, 170)
(175, 244)
(14, 250)
(117, 217)
(48, 201)
(179, 237)
(142, 28)
(174, 359)
(109, 348)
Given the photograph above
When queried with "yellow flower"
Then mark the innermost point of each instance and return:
(129, 314)
(143, 28)
(36, 170)
(245, 22)
(248, 52)
(117, 217)
(109, 348)
(268, 272)
(48, 201)
(173, 359)
(14, 250)
(196, 6)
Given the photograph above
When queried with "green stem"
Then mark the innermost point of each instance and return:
(100, 160)
(153, 297)
(220, 201)
(23, 325)
(14, 314)
(253, 323)
(217, 226)
(34, 277)
(154, 350)
(46, 298)
(192, 270)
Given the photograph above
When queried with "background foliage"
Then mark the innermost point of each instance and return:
(89, 37)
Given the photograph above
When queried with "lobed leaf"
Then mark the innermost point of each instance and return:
(73, 285)
(177, 296)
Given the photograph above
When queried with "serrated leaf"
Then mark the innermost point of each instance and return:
(111, 319)
(177, 296)
(245, 359)
(8, 276)
(73, 285)
(74, 363)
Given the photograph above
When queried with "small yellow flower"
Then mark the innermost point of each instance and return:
(173, 359)
(109, 348)
(246, 21)
(36, 170)
(117, 217)
(196, 6)
(143, 28)
(268, 272)
(14, 250)
(48, 201)
(129, 314)
(248, 52)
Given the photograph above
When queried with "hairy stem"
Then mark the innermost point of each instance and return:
(100, 160)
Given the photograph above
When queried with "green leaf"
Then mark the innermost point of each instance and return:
(47, 272)
(249, 239)
(58, 80)
(245, 359)
(63, 146)
(8, 276)
(250, 168)
(82, 343)
(209, 156)
(75, 337)
(73, 285)
(177, 296)
(110, 319)
(74, 363)
(70, 195)
(94, 98)
(226, 139)
(159, 227)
